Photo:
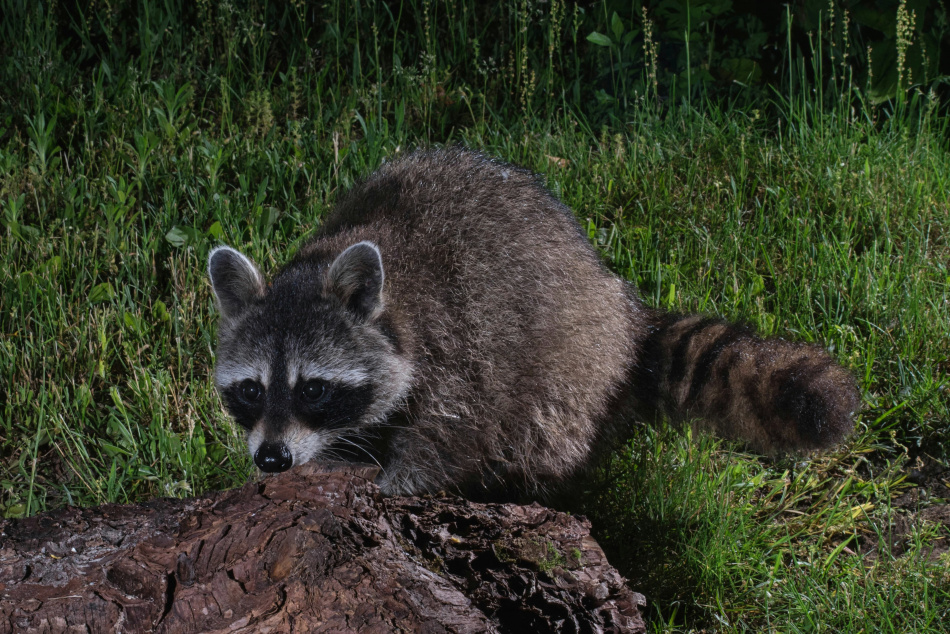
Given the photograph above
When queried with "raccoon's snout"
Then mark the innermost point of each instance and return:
(273, 457)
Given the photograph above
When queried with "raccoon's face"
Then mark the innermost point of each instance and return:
(306, 365)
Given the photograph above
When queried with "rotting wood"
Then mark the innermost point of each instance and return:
(309, 550)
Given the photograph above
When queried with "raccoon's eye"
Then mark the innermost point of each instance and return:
(251, 391)
(313, 391)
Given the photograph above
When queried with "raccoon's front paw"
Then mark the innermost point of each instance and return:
(394, 481)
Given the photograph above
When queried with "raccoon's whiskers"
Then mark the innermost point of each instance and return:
(361, 448)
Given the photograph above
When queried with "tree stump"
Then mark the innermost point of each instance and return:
(309, 550)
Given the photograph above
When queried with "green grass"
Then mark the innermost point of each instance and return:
(767, 546)
(122, 164)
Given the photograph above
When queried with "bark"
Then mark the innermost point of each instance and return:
(309, 551)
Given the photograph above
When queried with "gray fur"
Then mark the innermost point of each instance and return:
(498, 350)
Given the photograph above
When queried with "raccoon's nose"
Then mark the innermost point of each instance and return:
(273, 457)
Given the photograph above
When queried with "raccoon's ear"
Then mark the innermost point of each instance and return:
(235, 280)
(356, 277)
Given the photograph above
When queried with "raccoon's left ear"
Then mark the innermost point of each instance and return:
(235, 280)
(356, 277)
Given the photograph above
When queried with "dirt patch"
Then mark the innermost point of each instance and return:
(919, 511)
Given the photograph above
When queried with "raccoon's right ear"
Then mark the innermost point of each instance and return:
(235, 280)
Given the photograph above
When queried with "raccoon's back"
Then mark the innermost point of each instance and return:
(520, 335)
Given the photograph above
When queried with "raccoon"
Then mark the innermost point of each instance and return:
(451, 322)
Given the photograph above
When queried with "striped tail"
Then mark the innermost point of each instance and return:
(776, 395)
